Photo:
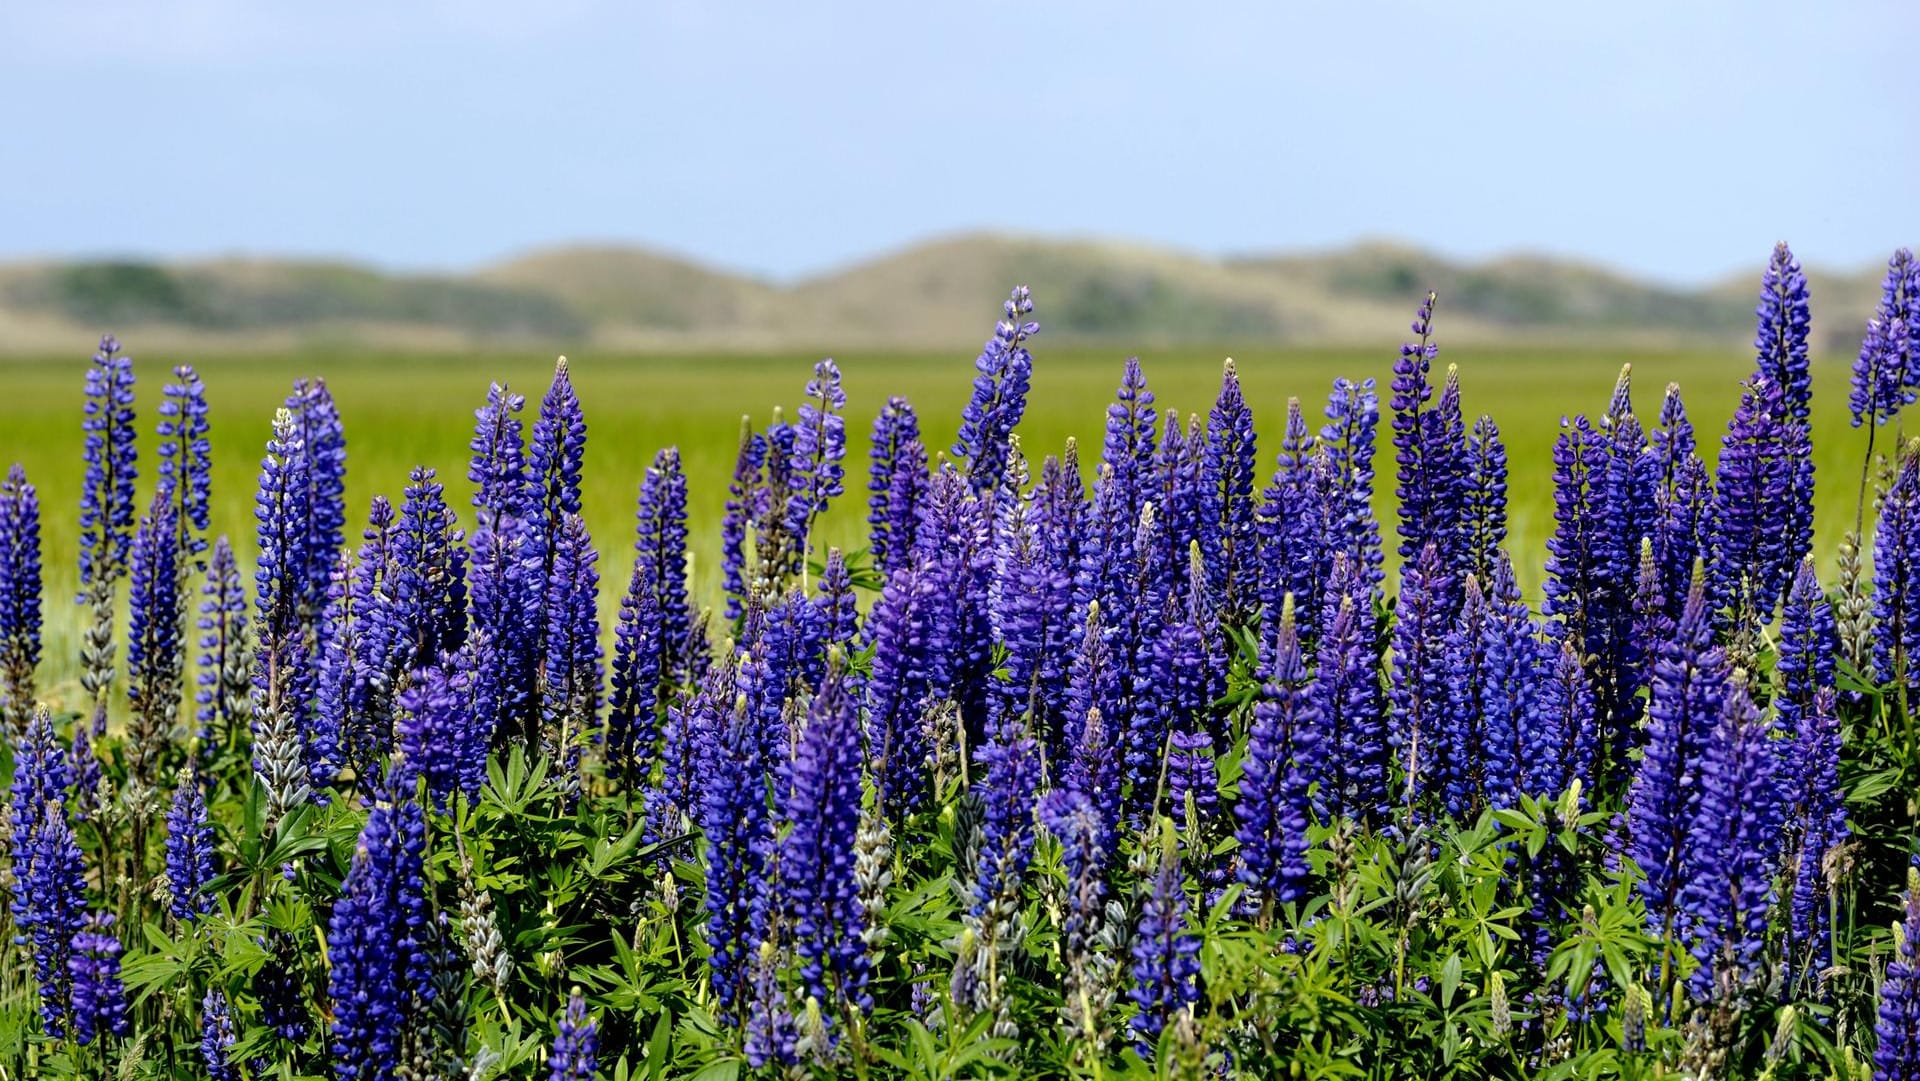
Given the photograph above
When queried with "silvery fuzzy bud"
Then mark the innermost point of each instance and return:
(873, 874)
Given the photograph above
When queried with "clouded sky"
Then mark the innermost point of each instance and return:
(1675, 139)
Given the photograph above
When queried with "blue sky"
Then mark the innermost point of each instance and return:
(1675, 139)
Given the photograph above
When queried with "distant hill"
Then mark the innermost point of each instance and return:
(943, 293)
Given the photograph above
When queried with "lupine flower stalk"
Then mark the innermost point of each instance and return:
(189, 850)
(99, 997)
(1230, 541)
(1353, 418)
(576, 1043)
(1896, 579)
(19, 598)
(186, 458)
(653, 637)
(280, 664)
(1896, 1055)
(106, 513)
(822, 803)
(1419, 691)
(223, 679)
(1282, 748)
(323, 449)
(819, 451)
(1166, 953)
(1346, 693)
(1729, 861)
(895, 445)
(378, 944)
(217, 1037)
(1005, 370)
(156, 661)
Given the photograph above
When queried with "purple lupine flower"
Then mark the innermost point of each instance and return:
(1282, 748)
(52, 877)
(1120, 491)
(99, 996)
(189, 850)
(1691, 677)
(220, 703)
(1295, 535)
(1683, 502)
(1430, 452)
(1509, 669)
(378, 944)
(323, 447)
(1093, 760)
(19, 597)
(1230, 540)
(156, 661)
(838, 607)
(1005, 370)
(819, 452)
(1896, 1054)
(435, 732)
(1780, 338)
(1464, 754)
(571, 669)
(1187, 669)
(787, 663)
(1486, 503)
(1730, 857)
(576, 1043)
(899, 633)
(1562, 744)
(427, 578)
(653, 639)
(555, 455)
(1020, 603)
(1353, 418)
(1193, 775)
(1009, 783)
(1346, 693)
(1182, 504)
(502, 587)
(821, 796)
(777, 551)
(673, 797)
(1896, 579)
(1883, 376)
(1628, 503)
(957, 553)
(1809, 768)
(739, 510)
(1762, 505)
(352, 693)
(280, 989)
(186, 457)
(106, 495)
(1418, 691)
(502, 488)
(281, 667)
(894, 430)
(217, 1037)
(1059, 515)
(1143, 719)
(41, 774)
(1166, 955)
(1072, 819)
(733, 818)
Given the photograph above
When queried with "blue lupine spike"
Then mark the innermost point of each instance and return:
(1193, 776)
(1683, 499)
(41, 773)
(1896, 1055)
(156, 661)
(106, 495)
(1231, 543)
(282, 663)
(555, 456)
(1884, 373)
(503, 491)
(819, 452)
(1780, 337)
(999, 400)
(1008, 766)
(1020, 603)
(1120, 492)
(323, 448)
(1353, 419)
(99, 997)
(52, 875)
(788, 662)
(751, 458)
(186, 457)
(1281, 762)
(435, 732)
(1731, 854)
(1486, 505)
(1429, 450)
(1143, 724)
(217, 1037)
(20, 610)
(1562, 742)
(1809, 771)
(1762, 504)
(1346, 692)
(839, 608)
(220, 703)
(653, 637)
(1166, 955)
(1896, 579)
(1463, 756)
(739, 844)
(378, 943)
(777, 554)
(571, 670)
(1511, 667)
(1419, 689)
(895, 431)
(898, 631)
(503, 589)
(189, 850)
(1295, 534)
(957, 554)
(822, 804)
(1186, 669)
(1183, 505)
(576, 1043)
(427, 578)
(1084, 851)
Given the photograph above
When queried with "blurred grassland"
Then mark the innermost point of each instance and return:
(403, 410)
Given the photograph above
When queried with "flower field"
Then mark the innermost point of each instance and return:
(1520, 718)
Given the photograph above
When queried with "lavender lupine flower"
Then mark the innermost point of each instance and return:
(1691, 679)
(1762, 506)
(52, 876)
(189, 850)
(654, 634)
(99, 997)
(1182, 504)
(186, 457)
(156, 662)
(1780, 338)
(1430, 460)
(281, 990)
(739, 510)
(1008, 768)
(1464, 754)
(1089, 748)
(378, 944)
(1419, 688)
(1683, 502)
(323, 446)
(1353, 417)
(1005, 370)
(957, 553)
(221, 700)
(1072, 819)
(1896, 579)
(836, 603)
(1509, 669)
(1279, 766)
(1020, 602)
(1731, 853)
(217, 1037)
(819, 452)
(555, 455)
(41, 774)
(1561, 746)
(1896, 1055)
(777, 554)
(1193, 778)
(787, 663)
(19, 597)
(1120, 492)
(899, 631)
(1883, 376)
(281, 648)
(576, 1043)
(1166, 954)
(1346, 693)
(1809, 768)
(673, 797)
(1295, 536)
(106, 495)
(1143, 720)
(895, 430)
(821, 797)
(427, 578)
(571, 669)
(1230, 540)
(1185, 676)
(733, 818)
(502, 585)
(1059, 514)
(436, 735)
(1486, 502)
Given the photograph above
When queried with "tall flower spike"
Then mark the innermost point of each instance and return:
(1231, 546)
(1346, 693)
(41, 773)
(217, 1037)
(739, 846)
(957, 550)
(323, 447)
(817, 883)
(739, 512)
(53, 878)
(221, 700)
(1353, 418)
(1896, 579)
(189, 850)
(571, 673)
(1486, 506)
(1683, 502)
(555, 456)
(378, 944)
(436, 733)
(156, 661)
(1005, 370)
(1883, 375)
(1120, 492)
(895, 431)
(898, 634)
(1730, 857)
(186, 457)
(1896, 1055)
(1018, 596)
(1466, 755)
(106, 495)
(1295, 534)
(1166, 953)
(1780, 338)
(1762, 506)
(1419, 688)
(576, 1043)
(427, 578)
(281, 647)
(819, 451)
(19, 597)
(99, 997)
(1009, 772)
(503, 589)
(1510, 650)
(1283, 747)
(839, 608)
(1072, 819)
(654, 636)
(1429, 460)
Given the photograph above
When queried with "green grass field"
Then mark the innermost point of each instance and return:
(404, 410)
